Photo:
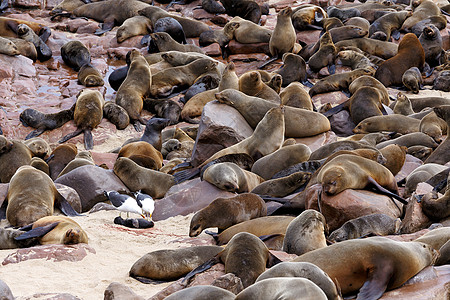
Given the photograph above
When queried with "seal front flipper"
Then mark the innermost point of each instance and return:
(271, 60)
(377, 280)
(37, 232)
(336, 109)
(88, 140)
(203, 267)
(395, 35)
(107, 25)
(331, 68)
(35, 133)
(385, 191)
(45, 33)
(70, 135)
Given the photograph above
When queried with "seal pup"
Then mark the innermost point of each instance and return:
(305, 233)
(75, 54)
(89, 76)
(116, 114)
(389, 24)
(8, 47)
(38, 146)
(303, 270)
(282, 288)
(83, 158)
(325, 56)
(225, 212)
(374, 224)
(88, 113)
(171, 264)
(372, 265)
(230, 177)
(31, 196)
(26, 33)
(43, 122)
(412, 79)
(433, 126)
(66, 231)
(172, 27)
(403, 105)
(410, 54)
(135, 88)
(421, 174)
(251, 83)
(137, 25)
(164, 108)
(283, 37)
(152, 132)
(142, 149)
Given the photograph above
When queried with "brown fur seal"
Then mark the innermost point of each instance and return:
(42, 122)
(403, 105)
(374, 224)
(281, 187)
(412, 79)
(75, 54)
(390, 264)
(142, 148)
(308, 16)
(162, 41)
(13, 154)
(43, 51)
(366, 80)
(171, 264)
(398, 123)
(164, 81)
(60, 157)
(31, 196)
(296, 96)
(283, 37)
(83, 158)
(282, 288)
(8, 47)
(26, 48)
(436, 238)
(305, 233)
(354, 172)
(89, 76)
(135, 88)
(431, 41)
(87, 115)
(137, 25)
(422, 10)
(202, 291)
(293, 69)
(382, 49)
(298, 121)
(136, 178)
(225, 212)
(409, 140)
(40, 164)
(249, 32)
(259, 227)
(250, 83)
(433, 126)
(421, 174)
(221, 37)
(339, 81)
(230, 177)
(389, 23)
(395, 157)
(116, 114)
(354, 59)
(281, 159)
(9, 27)
(410, 54)
(325, 55)
(441, 154)
(303, 270)
(266, 138)
(66, 231)
(38, 146)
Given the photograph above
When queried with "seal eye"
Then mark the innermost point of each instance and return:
(195, 227)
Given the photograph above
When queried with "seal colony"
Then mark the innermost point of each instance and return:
(270, 157)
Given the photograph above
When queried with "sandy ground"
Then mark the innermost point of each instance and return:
(116, 247)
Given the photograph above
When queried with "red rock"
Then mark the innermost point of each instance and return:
(55, 253)
(174, 287)
(132, 42)
(118, 53)
(71, 196)
(212, 50)
(118, 291)
(22, 65)
(23, 85)
(6, 71)
(350, 204)
(317, 141)
(334, 98)
(283, 256)
(104, 158)
(28, 3)
(411, 163)
(342, 124)
(187, 197)
(229, 282)
(220, 19)
(408, 237)
(202, 14)
(209, 276)
(237, 48)
(221, 126)
(414, 219)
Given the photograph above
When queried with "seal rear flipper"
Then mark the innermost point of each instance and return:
(106, 26)
(203, 267)
(3, 209)
(35, 133)
(70, 135)
(37, 232)
(271, 60)
(377, 280)
(43, 51)
(4, 5)
(190, 120)
(145, 40)
(307, 83)
(331, 69)
(395, 35)
(88, 140)
(1, 131)
(185, 175)
(386, 192)
(65, 207)
(146, 280)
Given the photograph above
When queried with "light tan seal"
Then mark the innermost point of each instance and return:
(412, 79)
(89, 76)
(225, 212)
(283, 37)
(137, 25)
(283, 186)
(398, 123)
(395, 157)
(296, 96)
(372, 265)
(202, 292)
(250, 83)
(135, 88)
(83, 158)
(8, 47)
(230, 177)
(142, 148)
(306, 233)
(325, 56)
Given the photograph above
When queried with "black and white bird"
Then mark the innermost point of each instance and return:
(146, 202)
(124, 203)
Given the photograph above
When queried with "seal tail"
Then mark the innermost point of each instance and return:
(88, 140)
(70, 135)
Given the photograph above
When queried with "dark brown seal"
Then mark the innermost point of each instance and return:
(60, 157)
(89, 76)
(13, 154)
(116, 114)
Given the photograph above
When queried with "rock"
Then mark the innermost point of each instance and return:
(6, 71)
(174, 287)
(317, 141)
(56, 252)
(229, 282)
(350, 204)
(22, 65)
(411, 163)
(50, 296)
(209, 276)
(132, 42)
(237, 48)
(23, 85)
(90, 182)
(408, 237)
(431, 283)
(71, 196)
(221, 126)
(28, 3)
(414, 219)
(334, 98)
(342, 124)
(104, 158)
(118, 291)
(187, 197)
(212, 50)
(5, 291)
